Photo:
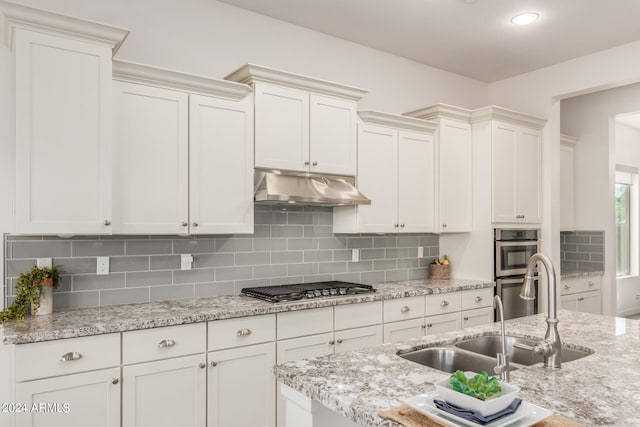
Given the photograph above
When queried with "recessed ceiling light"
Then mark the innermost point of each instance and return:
(525, 18)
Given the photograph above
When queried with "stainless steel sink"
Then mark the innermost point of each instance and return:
(491, 344)
(450, 359)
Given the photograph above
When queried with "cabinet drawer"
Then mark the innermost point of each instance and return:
(305, 322)
(358, 315)
(162, 343)
(477, 317)
(403, 308)
(476, 298)
(45, 359)
(442, 323)
(580, 284)
(242, 331)
(442, 303)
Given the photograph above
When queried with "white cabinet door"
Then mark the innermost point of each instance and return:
(80, 400)
(566, 188)
(333, 144)
(353, 339)
(443, 323)
(503, 178)
(63, 135)
(242, 387)
(168, 393)
(477, 317)
(569, 302)
(220, 165)
(403, 330)
(529, 191)
(590, 302)
(455, 166)
(282, 128)
(378, 178)
(150, 160)
(416, 182)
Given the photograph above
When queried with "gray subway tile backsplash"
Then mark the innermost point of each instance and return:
(581, 251)
(288, 246)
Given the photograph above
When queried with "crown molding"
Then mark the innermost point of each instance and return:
(192, 83)
(16, 16)
(568, 140)
(251, 73)
(397, 121)
(494, 112)
(442, 111)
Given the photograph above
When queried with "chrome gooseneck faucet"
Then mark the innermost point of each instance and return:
(502, 359)
(551, 346)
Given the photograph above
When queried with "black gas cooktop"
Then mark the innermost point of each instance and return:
(296, 292)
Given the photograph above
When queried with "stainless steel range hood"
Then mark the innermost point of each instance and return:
(306, 188)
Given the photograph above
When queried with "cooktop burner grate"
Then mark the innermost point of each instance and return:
(281, 293)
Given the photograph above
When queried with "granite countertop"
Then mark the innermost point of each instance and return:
(121, 318)
(570, 274)
(600, 389)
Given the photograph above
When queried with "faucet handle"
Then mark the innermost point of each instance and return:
(543, 347)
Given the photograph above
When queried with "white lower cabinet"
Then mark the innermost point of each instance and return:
(477, 317)
(241, 389)
(353, 339)
(403, 330)
(78, 400)
(165, 393)
(581, 294)
(442, 323)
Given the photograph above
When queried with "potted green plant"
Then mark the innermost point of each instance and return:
(33, 288)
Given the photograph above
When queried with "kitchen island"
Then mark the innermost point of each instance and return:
(600, 389)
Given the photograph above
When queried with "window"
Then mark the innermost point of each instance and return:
(626, 195)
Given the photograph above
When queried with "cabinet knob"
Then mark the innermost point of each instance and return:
(444, 225)
(314, 163)
(214, 364)
(184, 223)
(332, 342)
(195, 224)
(396, 225)
(115, 381)
(429, 325)
(166, 343)
(404, 309)
(581, 299)
(339, 341)
(401, 225)
(567, 287)
(591, 283)
(243, 332)
(478, 299)
(444, 303)
(70, 357)
(107, 222)
(465, 318)
(202, 365)
(306, 163)
(423, 326)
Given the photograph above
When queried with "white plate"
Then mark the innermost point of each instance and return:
(526, 415)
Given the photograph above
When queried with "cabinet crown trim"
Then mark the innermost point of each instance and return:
(493, 112)
(251, 73)
(568, 140)
(442, 111)
(156, 76)
(16, 16)
(397, 121)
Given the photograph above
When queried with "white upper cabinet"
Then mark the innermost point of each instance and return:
(396, 171)
(301, 123)
(516, 154)
(62, 77)
(567, 146)
(183, 153)
(454, 167)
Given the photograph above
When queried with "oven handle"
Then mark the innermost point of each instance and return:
(500, 283)
(501, 243)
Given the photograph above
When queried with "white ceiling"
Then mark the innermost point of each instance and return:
(474, 38)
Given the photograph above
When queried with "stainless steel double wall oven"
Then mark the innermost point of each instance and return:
(513, 248)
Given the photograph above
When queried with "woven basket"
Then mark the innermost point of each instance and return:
(437, 271)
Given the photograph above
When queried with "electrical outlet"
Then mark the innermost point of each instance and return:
(355, 255)
(186, 261)
(102, 265)
(420, 251)
(44, 262)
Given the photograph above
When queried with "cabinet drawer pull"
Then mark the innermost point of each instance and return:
(306, 162)
(465, 318)
(314, 163)
(591, 283)
(214, 364)
(115, 381)
(478, 299)
(567, 287)
(71, 356)
(202, 365)
(166, 343)
(444, 303)
(404, 309)
(423, 326)
(429, 325)
(339, 341)
(195, 224)
(184, 223)
(243, 332)
(581, 299)
(332, 342)
(401, 225)
(396, 225)
(444, 225)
